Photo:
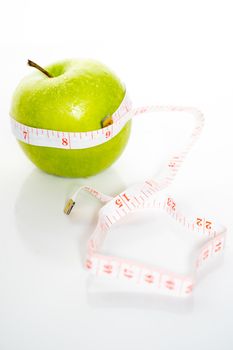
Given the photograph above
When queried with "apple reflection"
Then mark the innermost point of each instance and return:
(41, 223)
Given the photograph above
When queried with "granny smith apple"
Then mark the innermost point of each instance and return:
(70, 95)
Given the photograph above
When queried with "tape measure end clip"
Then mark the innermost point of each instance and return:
(69, 206)
(106, 121)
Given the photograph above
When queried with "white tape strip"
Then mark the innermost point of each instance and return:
(73, 140)
(138, 197)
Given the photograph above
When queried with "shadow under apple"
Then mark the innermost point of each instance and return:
(40, 220)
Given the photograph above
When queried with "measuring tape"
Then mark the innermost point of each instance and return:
(138, 197)
(73, 140)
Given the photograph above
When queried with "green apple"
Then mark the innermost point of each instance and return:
(70, 95)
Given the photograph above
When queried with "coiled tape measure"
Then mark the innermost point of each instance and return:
(137, 197)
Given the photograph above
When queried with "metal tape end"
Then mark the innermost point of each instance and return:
(69, 206)
(106, 121)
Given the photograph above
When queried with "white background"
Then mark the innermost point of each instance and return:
(166, 52)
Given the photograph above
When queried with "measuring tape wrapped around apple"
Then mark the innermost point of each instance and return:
(138, 197)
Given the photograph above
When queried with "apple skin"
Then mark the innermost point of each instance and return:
(80, 94)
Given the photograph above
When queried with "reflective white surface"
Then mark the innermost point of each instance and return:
(47, 300)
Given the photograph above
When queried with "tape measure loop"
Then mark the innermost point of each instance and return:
(137, 197)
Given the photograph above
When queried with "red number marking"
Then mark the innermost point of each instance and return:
(171, 203)
(89, 264)
(205, 254)
(207, 224)
(218, 247)
(189, 289)
(107, 134)
(64, 141)
(119, 203)
(125, 196)
(25, 134)
(94, 192)
(128, 273)
(108, 268)
(170, 285)
(149, 278)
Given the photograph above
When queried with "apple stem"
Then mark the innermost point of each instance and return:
(35, 65)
